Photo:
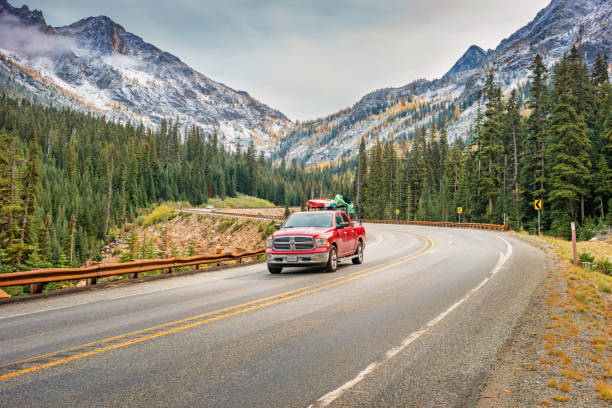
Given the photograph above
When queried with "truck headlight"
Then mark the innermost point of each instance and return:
(321, 242)
(269, 242)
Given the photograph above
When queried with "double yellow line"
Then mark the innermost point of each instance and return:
(139, 336)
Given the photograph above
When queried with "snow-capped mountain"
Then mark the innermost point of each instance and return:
(395, 112)
(95, 64)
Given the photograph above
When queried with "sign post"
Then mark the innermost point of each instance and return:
(460, 211)
(574, 244)
(396, 213)
(537, 204)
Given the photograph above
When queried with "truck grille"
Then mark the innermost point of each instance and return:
(299, 243)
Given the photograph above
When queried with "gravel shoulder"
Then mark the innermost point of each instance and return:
(559, 352)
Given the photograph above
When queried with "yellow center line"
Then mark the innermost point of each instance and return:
(229, 312)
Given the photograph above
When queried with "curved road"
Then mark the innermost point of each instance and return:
(417, 324)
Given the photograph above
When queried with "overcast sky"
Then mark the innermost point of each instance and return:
(309, 58)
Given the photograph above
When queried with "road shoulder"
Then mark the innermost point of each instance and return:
(558, 353)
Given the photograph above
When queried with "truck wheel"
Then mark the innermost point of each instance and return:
(332, 262)
(274, 269)
(359, 258)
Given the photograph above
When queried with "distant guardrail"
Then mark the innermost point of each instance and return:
(496, 227)
(473, 225)
(36, 278)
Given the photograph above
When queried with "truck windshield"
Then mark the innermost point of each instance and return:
(309, 220)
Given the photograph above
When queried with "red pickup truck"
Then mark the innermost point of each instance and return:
(315, 238)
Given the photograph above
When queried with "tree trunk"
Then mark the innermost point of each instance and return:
(602, 208)
(11, 195)
(108, 199)
(582, 209)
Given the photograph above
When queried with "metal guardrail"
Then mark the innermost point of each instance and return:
(38, 277)
(473, 225)
(244, 215)
(495, 227)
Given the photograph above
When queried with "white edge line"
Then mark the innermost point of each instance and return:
(333, 395)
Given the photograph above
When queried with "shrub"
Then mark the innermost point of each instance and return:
(588, 230)
(160, 214)
(603, 265)
(585, 257)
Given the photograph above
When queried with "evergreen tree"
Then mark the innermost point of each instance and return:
(491, 148)
(570, 163)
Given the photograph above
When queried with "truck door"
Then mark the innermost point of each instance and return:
(342, 237)
(351, 242)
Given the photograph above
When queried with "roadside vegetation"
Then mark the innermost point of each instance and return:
(240, 201)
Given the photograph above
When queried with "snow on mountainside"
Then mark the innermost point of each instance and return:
(395, 112)
(96, 65)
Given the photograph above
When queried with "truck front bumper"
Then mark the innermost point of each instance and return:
(297, 259)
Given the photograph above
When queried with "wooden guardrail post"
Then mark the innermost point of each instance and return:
(92, 281)
(132, 275)
(36, 288)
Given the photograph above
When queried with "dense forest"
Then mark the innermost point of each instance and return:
(555, 146)
(69, 181)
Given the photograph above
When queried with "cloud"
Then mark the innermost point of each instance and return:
(122, 61)
(29, 40)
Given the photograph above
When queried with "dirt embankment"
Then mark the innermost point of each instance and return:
(188, 234)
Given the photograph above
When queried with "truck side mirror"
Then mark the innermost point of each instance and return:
(277, 226)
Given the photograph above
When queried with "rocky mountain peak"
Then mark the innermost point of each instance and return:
(471, 59)
(23, 13)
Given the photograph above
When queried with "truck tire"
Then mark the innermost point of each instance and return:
(359, 258)
(274, 269)
(332, 262)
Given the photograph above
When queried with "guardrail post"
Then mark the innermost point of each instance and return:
(195, 267)
(91, 281)
(132, 275)
(36, 288)
(167, 270)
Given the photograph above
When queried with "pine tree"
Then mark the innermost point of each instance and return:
(570, 163)
(361, 177)
(603, 184)
(490, 145)
(31, 186)
(533, 173)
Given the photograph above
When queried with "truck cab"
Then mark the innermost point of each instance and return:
(319, 239)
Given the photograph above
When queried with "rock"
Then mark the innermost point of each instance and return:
(81, 283)
(4, 295)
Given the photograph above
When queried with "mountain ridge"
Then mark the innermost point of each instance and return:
(452, 99)
(117, 74)
(102, 67)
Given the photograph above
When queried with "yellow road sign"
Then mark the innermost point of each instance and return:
(397, 211)
(229, 208)
(459, 210)
(537, 204)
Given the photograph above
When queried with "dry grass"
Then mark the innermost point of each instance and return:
(604, 390)
(565, 386)
(572, 375)
(561, 398)
(552, 383)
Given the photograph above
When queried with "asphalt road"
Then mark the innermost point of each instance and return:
(417, 325)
